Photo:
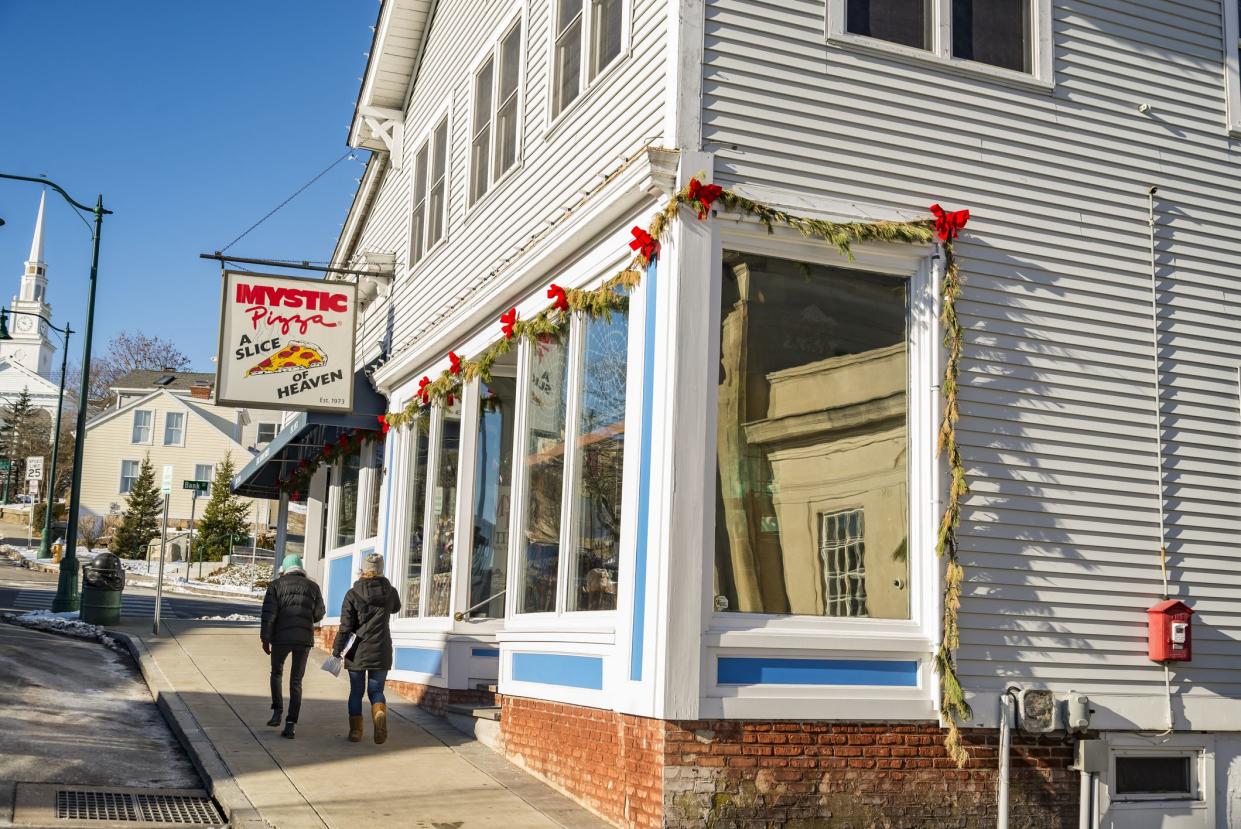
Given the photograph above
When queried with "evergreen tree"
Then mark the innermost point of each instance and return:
(140, 522)
(24, 432)
(226, 520)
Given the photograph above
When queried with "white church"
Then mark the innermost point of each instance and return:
(26, 359)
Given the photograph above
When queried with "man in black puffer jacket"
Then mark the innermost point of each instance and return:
(291, 609)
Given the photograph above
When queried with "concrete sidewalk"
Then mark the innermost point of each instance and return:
(210, 678)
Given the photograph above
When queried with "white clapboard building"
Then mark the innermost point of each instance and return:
(691, 547)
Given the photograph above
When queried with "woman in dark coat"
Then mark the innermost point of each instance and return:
(365, 612)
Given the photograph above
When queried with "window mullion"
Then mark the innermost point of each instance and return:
(517, 498)
(428, 500)
(587, 54)
(572, 471)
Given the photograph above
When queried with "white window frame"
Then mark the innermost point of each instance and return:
(150, 427)
(426, 141)
(210, 466)
(1118, 811)
(1232, 63)
(561, 616)
(586, 83)
(121, 486)
(370, 482)
(333, 522)
(168, 415)
(918, 633)
(258, 432)
(493, 52)
(1040, 76)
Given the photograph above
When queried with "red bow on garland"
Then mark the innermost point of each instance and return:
(949, 223)
(343, 441)
(450, 399)
(383, 424)
(422, 390)
(455, 361)
(560, 301)
(508, 320)
(645, 244)
(704, 194)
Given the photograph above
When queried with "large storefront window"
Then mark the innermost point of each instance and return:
(420, 434)
(546, 413)
(443, 511)
(595, 434)
(493, 464)
(812, 487)
(347, 500)
(601, 461)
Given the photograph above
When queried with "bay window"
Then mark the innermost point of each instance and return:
(347, 500)
(573, 467)
(419, 452)
(493, 466)
(812, 505)
(442, 535)
(1001, 33)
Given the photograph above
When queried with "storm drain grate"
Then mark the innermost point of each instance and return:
(139, 808)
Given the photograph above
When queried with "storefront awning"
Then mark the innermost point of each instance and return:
(303, 437)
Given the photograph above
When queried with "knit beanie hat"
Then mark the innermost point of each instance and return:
(372, 565)
(291, 562)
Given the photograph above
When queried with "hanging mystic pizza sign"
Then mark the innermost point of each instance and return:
(286, 343)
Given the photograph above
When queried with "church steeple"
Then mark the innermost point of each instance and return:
(30, 345)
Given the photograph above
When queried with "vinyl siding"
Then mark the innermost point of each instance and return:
(619, 114)
(1060, 533)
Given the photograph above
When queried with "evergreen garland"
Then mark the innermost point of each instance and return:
(611, 296)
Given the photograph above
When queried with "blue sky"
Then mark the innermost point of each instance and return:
(193, 119)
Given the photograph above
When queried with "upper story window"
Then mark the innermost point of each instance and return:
(593, 28)
(129, 474)
(174, 428)
(812, 505)
(574, 457)
(1005, 34)
(493, 148)
(267, 432)
(143, 420)
(430, 193)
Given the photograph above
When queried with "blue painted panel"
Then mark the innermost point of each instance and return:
(339, 580)
(733, 670)
(490, 653)
(638, 630)
(559, 669)
(422, 660)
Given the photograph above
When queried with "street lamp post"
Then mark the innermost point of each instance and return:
(45, 541)
(67, 585)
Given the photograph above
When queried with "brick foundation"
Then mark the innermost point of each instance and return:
(613, 763)
(804, 775)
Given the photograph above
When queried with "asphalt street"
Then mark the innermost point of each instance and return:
(23, 590)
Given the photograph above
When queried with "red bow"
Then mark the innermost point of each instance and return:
(343, 441)
(509, 319)
(302, 464)
(422, 389)
(560, 301)
(455, 361)
(704, 194)
(646, 245)
(450, 399)
(383, 424)
(949, 223)
(296, 496)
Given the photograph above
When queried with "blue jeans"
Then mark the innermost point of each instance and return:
(373, 682)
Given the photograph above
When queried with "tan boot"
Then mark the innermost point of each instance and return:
(355, 729)
(379, 713)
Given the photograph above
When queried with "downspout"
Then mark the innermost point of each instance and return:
(1163, 534)
(1006, 739)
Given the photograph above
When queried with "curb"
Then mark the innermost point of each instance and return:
(219, 781)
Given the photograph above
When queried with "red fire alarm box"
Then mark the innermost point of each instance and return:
(1170, 632)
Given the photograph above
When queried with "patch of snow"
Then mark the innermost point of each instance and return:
(65, 623)
(241, 575)
(232, 617)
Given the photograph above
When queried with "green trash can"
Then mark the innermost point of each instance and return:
(103, 581)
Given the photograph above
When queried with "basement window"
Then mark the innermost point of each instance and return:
(1154, 777)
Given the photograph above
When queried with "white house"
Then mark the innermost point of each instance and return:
(694, 545)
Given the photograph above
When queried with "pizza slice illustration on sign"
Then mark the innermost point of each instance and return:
(295, 356)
